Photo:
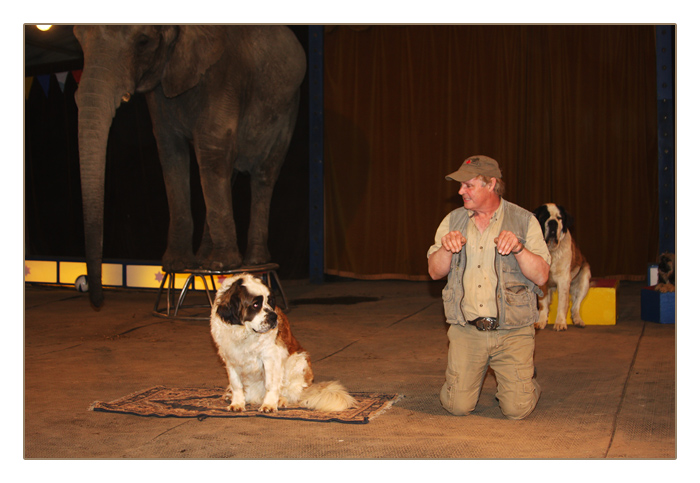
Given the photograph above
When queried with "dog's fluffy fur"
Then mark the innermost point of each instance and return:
(266, 366)
(667, 273)
(569, 271)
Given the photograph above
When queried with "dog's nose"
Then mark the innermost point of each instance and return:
(272, 318)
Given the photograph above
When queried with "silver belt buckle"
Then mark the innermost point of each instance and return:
(487, 323)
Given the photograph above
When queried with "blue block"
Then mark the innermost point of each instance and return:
(658, 307)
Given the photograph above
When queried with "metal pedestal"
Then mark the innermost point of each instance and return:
(172, 308)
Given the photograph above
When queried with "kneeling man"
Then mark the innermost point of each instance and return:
(495, 258)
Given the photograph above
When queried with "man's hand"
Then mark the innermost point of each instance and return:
(453, 241)
(507, 242)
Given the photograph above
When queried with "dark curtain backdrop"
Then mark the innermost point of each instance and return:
(568, 111)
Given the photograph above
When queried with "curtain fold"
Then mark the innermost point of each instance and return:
(568, 111)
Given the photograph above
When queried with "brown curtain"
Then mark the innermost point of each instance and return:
(568, 111)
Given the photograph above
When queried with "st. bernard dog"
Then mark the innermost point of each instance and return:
(266, 366)
(569, 271)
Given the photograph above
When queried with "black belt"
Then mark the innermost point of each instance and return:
(485, 323)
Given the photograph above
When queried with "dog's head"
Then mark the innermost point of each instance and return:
(667, 267)
(555, 222)
(246, 301)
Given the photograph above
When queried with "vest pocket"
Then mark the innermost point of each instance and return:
(448, 296)
(517, 294)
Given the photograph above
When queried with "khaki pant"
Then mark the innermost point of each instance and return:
(510, 355)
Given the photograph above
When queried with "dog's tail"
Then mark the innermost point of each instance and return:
(327, 397)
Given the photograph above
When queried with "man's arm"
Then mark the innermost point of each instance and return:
(439, 262)
(534, 262)
(534, 267)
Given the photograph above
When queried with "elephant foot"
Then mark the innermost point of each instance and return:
(222, 260)
(257, 255)
(178, 263)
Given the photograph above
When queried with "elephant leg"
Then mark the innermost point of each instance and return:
(262, 183)
(220, 230)
(206, 246)
(261, 186)
(175, 161)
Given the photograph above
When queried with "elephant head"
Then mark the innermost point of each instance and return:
(120, 61)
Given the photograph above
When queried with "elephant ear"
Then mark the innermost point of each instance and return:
(196, 48)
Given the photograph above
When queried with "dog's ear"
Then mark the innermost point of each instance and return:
(666, 263)
(567, 220)
(542, 214)
(229, 313)
(229, 304)
(667, 257)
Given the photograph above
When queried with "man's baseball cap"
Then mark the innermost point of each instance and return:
(474, 166)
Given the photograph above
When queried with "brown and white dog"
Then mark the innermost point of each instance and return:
(266, 366)
(569, 271)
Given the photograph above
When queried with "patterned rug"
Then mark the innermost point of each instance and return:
(201, 403)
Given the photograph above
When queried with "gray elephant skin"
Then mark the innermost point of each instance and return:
(231, 92)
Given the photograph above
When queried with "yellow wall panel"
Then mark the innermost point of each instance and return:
(40, 271)
(144, 276)
(70, 271)
(112, 274)
(137, 276)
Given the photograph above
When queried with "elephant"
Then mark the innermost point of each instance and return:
(231, 92)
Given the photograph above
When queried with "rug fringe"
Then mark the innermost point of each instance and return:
(128, 396)
(388, 406)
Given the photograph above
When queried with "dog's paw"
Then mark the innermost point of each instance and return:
(665, 287)
(559, 326)
(282, 403)
(579, 323)
(268, 408)
(236, 408)
(541, 324)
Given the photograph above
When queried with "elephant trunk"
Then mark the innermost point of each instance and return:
(97, 99)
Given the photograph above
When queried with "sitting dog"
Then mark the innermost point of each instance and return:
(266, 366)
(667, 273)
(569, 271)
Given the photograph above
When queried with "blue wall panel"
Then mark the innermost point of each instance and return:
(666, 122)
(316, 231)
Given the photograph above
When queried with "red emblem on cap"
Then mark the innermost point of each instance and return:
(468, 161)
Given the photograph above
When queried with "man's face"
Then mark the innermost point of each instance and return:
(475, 193)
